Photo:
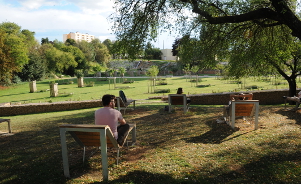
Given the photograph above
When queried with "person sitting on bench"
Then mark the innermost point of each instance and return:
(240, 96)
(294, 99)
(180, 91)
(110, 116)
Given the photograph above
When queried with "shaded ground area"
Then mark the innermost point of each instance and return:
(171, 148)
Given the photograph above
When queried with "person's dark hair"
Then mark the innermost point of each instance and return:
(180, 91)
(106, 99)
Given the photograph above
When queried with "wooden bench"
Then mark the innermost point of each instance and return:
(8, 122)
(124, 105)
(296, 106)
(178, 99)
(243, 108)
(92, 135)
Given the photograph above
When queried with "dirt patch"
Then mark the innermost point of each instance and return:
(3, 87)
(136, 153)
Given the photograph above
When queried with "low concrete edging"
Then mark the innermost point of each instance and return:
(265, 97)
(33, 108)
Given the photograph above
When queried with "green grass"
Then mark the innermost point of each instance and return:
(171, 148)
(140, 89)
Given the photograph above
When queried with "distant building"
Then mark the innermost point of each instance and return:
(78, 37)
(167, 55)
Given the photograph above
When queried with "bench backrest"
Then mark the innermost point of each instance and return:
(120, 101)
(122, 96)
(177, 99)
(244, 109)
(89, 135)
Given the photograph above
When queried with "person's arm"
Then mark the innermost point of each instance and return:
(122, 121)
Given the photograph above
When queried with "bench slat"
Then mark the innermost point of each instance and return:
(176, 100)
(244, 109)
(91, 135)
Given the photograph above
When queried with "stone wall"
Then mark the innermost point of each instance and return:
(11, 110)
(268, 97)
(265, 97)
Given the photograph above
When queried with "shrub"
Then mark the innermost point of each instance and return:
(162, 90)
(252, 87)
(162, 83)
(90, 84)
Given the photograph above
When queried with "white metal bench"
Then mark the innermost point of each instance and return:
(243, 108)
(124, 105)
(178, 99)
(92, 135)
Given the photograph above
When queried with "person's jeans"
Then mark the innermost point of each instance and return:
(123, 131)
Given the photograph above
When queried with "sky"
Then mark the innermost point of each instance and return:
(53, 18)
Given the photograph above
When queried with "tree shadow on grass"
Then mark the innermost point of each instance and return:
(292, 115)
(216, 135)
(274, 168)
(162, 128)
(15, 94)
(143, 177)
(34, 155)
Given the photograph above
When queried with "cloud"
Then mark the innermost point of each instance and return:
(35, 4)
(87, 6)
(93, 6)
(52, 19)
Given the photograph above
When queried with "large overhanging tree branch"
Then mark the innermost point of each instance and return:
(140, 20)
(239, 30)
(281, 13)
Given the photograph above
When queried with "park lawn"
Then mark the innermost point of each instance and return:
(171, 148)
(140, 89)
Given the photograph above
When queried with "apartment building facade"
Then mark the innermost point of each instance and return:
(77, 36)
(167, 54)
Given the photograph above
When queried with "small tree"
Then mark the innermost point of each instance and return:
(111, 72)
(153, 71)
(186, 70)
(122, 71)
(195, 69)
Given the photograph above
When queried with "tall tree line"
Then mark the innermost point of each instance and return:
(24, 58)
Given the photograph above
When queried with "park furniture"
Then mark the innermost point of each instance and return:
(296, 106)
(242, 108)
(8, 122)
(179, 100)
(99, 136)
(123, 103)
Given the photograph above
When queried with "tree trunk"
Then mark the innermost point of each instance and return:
(33, 86)
(54, 90)
(292, 87)
(80, 82)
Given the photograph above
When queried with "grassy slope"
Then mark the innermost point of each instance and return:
(171, 148)
(140, 89)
